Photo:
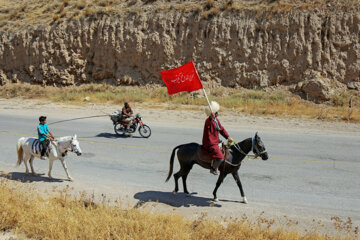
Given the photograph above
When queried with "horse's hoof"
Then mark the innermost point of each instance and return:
(188, 194)
(173, 192)
(70, 179)
(216, 199)
(245, 200)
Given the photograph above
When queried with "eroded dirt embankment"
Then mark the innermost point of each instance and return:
(314, 52)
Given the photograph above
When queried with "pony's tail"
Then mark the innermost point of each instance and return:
(20, 151)
(172, 163)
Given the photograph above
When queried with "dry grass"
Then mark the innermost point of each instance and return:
(63, 216)
(250, 102)
(15, 14)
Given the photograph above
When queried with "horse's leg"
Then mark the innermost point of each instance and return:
(183, 172)
(218, 183)
(50, 167)
(176, 177)
(26, 158)
(65, 168)
(237, 180)
(31, 165)
(184, 176)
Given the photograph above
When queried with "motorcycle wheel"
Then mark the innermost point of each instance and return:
(145, 131)
(119, 129)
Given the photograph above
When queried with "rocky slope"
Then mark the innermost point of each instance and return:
(314, 52)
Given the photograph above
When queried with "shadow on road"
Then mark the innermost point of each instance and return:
(112, 135)
(17, 176)
(178, 200)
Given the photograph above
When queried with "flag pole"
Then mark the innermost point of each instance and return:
(207, 99)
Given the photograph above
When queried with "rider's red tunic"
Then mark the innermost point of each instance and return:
(211, 138)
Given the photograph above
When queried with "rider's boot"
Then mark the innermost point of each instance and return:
(215, 165)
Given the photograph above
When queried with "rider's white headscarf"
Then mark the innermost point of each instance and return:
(214, 106)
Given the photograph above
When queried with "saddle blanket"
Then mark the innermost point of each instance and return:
(36, 148)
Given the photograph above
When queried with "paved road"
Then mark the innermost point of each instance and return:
(306, 174)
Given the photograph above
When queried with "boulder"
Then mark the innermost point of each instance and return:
(353, 85)
(318, 88)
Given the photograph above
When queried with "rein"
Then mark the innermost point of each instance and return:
(72, 119)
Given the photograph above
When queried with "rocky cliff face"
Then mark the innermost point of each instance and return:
(231, 49)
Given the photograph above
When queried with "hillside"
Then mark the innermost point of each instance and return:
(310, 47)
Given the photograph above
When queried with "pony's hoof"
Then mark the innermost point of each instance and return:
(70, 179)
(216, 199)
(174, 192)
(188, 194)
(245, 200)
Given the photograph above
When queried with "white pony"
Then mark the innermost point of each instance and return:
(57, 150)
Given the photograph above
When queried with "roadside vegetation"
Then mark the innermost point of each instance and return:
(272, 103)
(17, 14)
(60, 215)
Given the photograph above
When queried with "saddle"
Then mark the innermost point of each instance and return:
(37, 148)
(205, 156)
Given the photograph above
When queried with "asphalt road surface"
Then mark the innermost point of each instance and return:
(307, 175)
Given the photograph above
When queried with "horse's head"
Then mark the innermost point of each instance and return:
(259, 148)
(75, 146)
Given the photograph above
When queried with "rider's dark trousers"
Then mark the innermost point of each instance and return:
(216, 163)
(44, 145)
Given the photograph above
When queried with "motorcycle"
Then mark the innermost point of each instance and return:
(120, 127)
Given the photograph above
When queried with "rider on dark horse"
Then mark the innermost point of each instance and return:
(44, 134)
(127, 115)
(210, 139)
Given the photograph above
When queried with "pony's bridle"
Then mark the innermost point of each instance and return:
(70, 148)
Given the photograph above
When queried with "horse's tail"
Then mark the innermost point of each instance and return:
(172, 162)
(20, 151)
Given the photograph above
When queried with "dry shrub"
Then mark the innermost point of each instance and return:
(81, 4)
(66, 3)
(63, 216)
(56, 17)
(148, 1)
(89, 11)
(210, 13)
(19, 14)
(209, 4)
(103, 3)
(257, 102)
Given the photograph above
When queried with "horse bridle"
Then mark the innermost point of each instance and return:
(254, 149)
(70, 148)
(257, 153)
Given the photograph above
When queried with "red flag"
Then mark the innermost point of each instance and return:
(184, 78)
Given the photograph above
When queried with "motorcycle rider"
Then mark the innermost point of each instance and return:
(127, 115)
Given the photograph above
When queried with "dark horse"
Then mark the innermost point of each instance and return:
(189, 154)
